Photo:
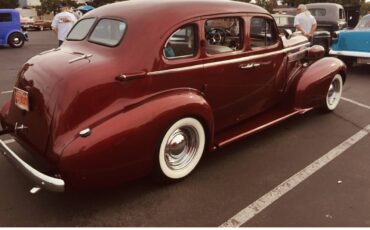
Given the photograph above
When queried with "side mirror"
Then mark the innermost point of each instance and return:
(315, 52)
(288, 33)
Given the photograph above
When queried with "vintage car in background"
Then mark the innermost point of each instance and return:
(330, 17)
(10, 29)
(111, 105)
(30, 23)
(353, 46)
(286, 22)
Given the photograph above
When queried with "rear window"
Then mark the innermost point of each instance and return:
(5, 17)
(319, 12)
(108, 32)
(284, 21)
(81, 29)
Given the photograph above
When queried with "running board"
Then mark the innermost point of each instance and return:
(254, 125)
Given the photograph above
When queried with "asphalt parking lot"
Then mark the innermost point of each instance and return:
(264, 180)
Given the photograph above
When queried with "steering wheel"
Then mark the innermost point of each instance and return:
(216, 36)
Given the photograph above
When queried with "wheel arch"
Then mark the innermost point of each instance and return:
(127, 142)
(312, 86)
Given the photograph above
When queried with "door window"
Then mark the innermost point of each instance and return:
(181, 44)
(224, 35)
(262, 33)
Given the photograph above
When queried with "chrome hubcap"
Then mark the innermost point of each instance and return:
(16, 40)
(181, 147)
(334, 92)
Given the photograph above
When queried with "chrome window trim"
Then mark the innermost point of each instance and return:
(231, 61)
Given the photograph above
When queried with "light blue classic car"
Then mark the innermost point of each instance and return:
(353, 46)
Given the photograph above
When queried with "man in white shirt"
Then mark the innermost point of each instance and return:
(305, 22)
(63, 23)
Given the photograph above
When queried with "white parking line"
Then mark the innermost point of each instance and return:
(7, 92)
(256, 207)
(9, 141)
(356, 103)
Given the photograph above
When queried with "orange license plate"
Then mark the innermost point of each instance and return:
(21, 99)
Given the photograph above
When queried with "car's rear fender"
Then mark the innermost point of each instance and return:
(123, 146)
(315, 80)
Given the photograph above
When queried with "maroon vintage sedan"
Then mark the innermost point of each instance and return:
(145, 87)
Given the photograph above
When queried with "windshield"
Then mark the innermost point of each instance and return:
(364, 23)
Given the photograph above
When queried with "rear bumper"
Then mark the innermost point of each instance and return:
(41, 180)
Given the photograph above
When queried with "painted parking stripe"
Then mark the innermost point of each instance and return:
(9, 141)
(7, 92)
(256, 207)
(356, 103)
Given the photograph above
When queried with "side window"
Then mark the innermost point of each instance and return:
(182, 43)
(341, 14)
(224, 35)
(262, 33)
(5, 17)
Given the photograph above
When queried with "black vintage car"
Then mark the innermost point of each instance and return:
(285, 21)
(329, 16)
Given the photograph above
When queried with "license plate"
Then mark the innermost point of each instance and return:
(21, 99)
(363, 60)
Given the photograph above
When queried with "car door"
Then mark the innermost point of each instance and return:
(240, 78)
(265, 67)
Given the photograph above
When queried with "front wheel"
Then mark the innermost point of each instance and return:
(181, 149)
(334, 94)
(16, 40)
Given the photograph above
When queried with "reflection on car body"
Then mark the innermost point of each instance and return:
(133, 103)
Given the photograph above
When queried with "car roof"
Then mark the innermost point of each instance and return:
(324, 5)
(8, 11)
(175, 10)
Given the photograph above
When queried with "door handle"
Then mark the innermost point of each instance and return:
(249, 66)
(129, 77)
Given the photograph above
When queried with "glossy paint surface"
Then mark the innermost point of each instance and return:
(129, 95)
(357, 40)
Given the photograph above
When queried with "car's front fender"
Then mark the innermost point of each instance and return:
(315, 81)
(123, 146)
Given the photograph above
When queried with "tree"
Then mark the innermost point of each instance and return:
(52, 6)
(365, 8)
(97, 3)
(9, 4)
(295, 3)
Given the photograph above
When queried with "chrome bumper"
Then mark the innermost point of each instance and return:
(40, 179)
(350, 53)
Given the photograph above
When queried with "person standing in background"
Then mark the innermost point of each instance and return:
(63, 23)
(305, 22)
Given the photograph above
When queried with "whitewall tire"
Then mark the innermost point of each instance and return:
(334, 93)
(181, 149)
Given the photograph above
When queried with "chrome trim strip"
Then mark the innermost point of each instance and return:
(176, 70)
(225, 62)
(48, 51)
(40, 179)
(350, 53)
(85, 56)
(228, 141)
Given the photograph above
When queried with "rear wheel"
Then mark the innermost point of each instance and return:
(180, 150)
(16, 40)
(334, 93)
